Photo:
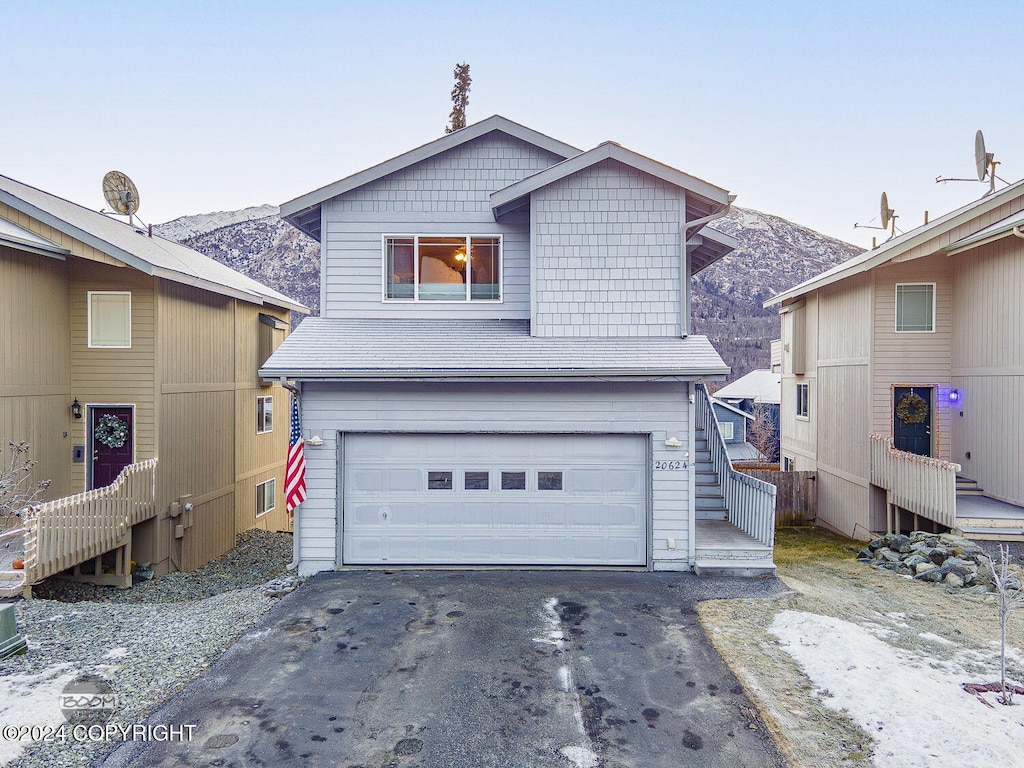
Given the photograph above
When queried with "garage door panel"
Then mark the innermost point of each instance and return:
(495, 499)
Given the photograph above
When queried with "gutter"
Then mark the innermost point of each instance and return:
(696, 225)
(525, 375)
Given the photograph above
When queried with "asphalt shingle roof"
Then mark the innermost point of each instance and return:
(398, 348)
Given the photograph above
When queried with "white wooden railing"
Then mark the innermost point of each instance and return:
(750, 502)
(919, 484)
(62, 533)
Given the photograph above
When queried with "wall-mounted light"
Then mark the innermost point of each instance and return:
(76, 409)
(315, 440)
(674, 442)
(954, 395)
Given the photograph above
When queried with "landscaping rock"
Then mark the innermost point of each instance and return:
(915, 560)
(900, 544)
(934, 574)
(887, 554)
(954, 580)
(924, 566)
(938, 555)
(866, 554)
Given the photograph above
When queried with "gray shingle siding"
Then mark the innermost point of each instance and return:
(606, 255)
(448, 194)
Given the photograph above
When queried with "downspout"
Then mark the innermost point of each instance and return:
(295, 516)
(1017, 232)
(684, 294)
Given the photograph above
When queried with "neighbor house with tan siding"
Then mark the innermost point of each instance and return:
(903, 378)
(102, 320)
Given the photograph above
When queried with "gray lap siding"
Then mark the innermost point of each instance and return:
(659, 410)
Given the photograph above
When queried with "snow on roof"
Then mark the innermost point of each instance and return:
(759, 386)
(151, 255)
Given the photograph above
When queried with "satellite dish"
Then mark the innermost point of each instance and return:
(887, 212)
(981, 158)
(121, 193)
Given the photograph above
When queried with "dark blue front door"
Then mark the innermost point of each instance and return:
(912, 419)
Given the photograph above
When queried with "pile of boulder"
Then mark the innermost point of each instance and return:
(938, 557)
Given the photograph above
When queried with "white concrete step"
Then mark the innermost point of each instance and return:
(745, 568)
(991, 534)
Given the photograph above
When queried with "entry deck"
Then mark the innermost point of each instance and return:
(984, 518)
(723, 549)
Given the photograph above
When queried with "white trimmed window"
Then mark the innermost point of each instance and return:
(264, 414)
(110, 319)
(915, 307)
(788, 464)
(803, 401)
(266, 496)
(434, 268)
(727, 429)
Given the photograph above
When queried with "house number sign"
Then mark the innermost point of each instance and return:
(668, 466)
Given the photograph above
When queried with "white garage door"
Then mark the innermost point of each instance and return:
(484, 499)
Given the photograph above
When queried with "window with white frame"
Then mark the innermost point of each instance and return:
(803, 400)
(110, 319)
(432, 268)
(266, 496)
(727, 428)
(915, 307)
(788, 464)
(264, 414)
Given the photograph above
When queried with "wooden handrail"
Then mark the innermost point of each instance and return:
(750, 503)
(64, 532)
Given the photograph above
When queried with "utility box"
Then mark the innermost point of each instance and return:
(11, 642)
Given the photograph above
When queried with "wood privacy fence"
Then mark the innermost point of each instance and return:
(796, 497)
(63, 533)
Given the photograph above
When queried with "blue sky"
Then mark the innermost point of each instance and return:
(805, 110)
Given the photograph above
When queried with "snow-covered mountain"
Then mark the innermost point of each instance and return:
(774, 254)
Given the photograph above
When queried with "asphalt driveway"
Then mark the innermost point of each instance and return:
(473, 669)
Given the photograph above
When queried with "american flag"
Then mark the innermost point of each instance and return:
(295, 467)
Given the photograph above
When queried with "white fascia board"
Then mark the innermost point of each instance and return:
(889, 251)
(608, 150)
(311, 374)
(22, 245)
(424, 152)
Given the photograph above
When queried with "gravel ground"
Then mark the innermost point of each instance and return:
(147, 642)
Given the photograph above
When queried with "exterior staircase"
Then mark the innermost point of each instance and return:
(721, 547)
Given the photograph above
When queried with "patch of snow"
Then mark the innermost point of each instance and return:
(564, 678)
(581, 757)
(31, 700)
(555, 636)
(933, 638)
(189, 226)
(116, 653)
(918, 715)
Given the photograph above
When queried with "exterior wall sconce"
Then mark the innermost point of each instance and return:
(674, 442)
(76, 409)
(954, 395)
(315, 441)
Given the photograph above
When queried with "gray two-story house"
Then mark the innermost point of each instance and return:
(504, 372)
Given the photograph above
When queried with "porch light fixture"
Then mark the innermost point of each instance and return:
(315, 440)
(954, 395)
(76, 409)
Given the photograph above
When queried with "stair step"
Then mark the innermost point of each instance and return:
(969, 491)
(745, 568)
(752, 551)
(991, 534)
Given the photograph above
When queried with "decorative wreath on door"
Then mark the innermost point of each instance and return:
(111, 431)
(912, 408)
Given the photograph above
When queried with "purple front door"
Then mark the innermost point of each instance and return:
(111, 432)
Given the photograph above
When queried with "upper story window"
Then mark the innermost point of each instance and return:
(803, 401)
(110, 319)
(915, 307)
(430, 268)
(264, 414)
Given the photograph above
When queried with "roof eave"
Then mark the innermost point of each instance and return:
(21, 245)
(314, 374)
(925, 233)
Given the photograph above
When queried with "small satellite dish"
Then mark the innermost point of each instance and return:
(887, 212)
(121, 193)
(981, 157)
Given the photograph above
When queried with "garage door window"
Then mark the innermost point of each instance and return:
(439, 481)
(513, 481)
(549, 481)
(477, 481)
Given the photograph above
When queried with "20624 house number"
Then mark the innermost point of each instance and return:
(668, 466)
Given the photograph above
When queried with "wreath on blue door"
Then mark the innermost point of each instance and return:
(912, 408)
(112, 431)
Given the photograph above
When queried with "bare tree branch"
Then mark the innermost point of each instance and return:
(17, 489)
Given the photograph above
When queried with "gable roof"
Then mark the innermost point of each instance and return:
(897, 246)
(511, 196)
(724, 405)
(410, 349)
(760, 386)
(304, 211)
(17, 237)
(151, 255)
